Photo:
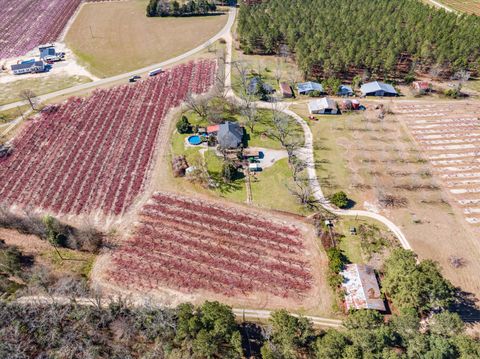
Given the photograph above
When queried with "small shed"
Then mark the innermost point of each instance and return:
(47, 50)
(230, 135)
(377, 88)
(323, 106)
(28, 67)
(422, 86)
(305, 88)
(345, 90)
(286, 90)
(361, 288)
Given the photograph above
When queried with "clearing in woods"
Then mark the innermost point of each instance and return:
(110, 38)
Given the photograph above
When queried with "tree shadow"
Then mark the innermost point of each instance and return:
(227, 187)
(350, 204)
(252, 339)
(466, 306)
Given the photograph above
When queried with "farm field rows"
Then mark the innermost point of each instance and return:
(449, 134)
(193, 246)
(25, 24)
(94, 154)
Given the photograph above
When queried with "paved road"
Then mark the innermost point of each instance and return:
(308, 154)
(93, 84)
(247, 314)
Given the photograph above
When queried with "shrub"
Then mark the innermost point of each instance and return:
(339, 199)
(452, 93)
(183, 126)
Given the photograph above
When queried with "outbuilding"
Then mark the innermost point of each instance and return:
(378, 88)
(345, 90)
(422, 86)
(230, 135)
(286, 90)
(361, 288)
(28, 67)
(306, 88)
(323, 106)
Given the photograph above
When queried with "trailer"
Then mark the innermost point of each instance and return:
(155, 72)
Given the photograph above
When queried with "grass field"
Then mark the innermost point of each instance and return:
(110, 38)
(40, 86)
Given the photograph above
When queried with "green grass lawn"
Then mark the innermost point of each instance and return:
(270, 189)
(40, 86)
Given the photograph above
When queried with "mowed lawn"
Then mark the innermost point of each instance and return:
(110, 38)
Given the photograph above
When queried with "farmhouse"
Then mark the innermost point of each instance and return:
(286, 90)
(230, 135)
(325, 106)
(28, 67)
(345, 90)
(305, 88)
(361, 288)
(377, 88)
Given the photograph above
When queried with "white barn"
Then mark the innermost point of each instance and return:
(323, 106)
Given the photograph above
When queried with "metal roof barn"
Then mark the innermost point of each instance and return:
(361, 288)
(377, 88)
(306, 87)
(323, 106)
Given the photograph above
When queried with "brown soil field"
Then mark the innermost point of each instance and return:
(110, 38)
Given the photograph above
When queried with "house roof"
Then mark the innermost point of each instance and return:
(377, 86)
(321, 104)
(361, 288)
(212, 128)
(309, 86)
(230, 135)
(27, 65)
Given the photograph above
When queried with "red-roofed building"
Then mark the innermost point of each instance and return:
(422, 86)
(213, 128)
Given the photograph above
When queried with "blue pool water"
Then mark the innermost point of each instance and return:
(194, 140)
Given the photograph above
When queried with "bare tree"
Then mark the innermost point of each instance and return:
(278, 70)
(283, 129)
(297, 165)
(199, 104)
(30, 96)
(242, 69)
(249, 110)
(302, 191)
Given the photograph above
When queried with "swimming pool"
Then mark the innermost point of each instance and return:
(194, 140)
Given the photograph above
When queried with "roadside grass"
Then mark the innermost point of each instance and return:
(110, 38)
(40, 86)
(10, 115)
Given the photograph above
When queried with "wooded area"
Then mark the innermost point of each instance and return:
(379, 38)
(165, 8)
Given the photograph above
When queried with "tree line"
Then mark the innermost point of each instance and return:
(421, 326)
(380, 38)
(165, 8)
